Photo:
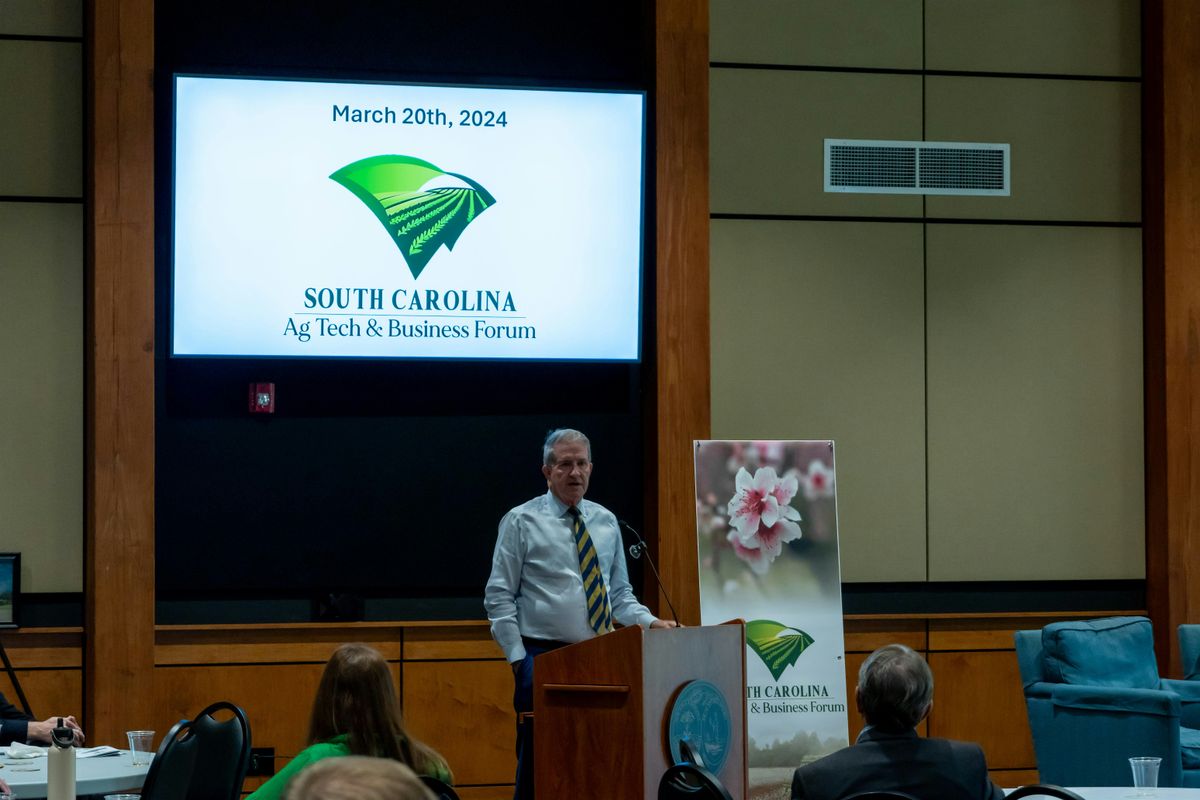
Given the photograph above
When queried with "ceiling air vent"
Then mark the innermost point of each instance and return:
(882, 167)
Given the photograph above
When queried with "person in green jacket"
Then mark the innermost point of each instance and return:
(356, 712)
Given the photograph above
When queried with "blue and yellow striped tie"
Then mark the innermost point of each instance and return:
(599, 611)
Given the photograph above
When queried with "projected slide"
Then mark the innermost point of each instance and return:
(400, 221)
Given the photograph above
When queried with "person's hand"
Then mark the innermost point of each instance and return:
(4, 788)
(664, 623)
(41, 731)
(516, 666)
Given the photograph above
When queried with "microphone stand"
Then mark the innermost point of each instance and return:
(635, 552)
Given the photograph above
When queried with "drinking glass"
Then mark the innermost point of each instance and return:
(1145, 774)
(141, 747)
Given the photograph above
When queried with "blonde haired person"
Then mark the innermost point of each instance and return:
(356, 713)
(358, 778)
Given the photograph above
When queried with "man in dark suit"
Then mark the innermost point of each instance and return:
(895, 692)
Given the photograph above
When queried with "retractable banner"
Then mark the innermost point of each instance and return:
(767, 542)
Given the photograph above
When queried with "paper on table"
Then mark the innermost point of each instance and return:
(94, 752)
(18, 750)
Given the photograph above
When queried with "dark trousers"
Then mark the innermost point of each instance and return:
(523, 703)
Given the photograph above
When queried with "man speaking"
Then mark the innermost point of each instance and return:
(558, 577)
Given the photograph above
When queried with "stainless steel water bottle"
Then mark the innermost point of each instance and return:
(60, 771)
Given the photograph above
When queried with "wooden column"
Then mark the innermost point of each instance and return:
(683, 398)
(1171, 142)
(119, 575)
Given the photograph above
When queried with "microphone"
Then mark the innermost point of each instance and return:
(635, 552)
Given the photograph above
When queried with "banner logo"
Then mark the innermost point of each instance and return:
(777, 645)
(418, 203)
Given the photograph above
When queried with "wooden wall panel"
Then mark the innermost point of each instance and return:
(277, 699)
(119, 462)
(982, 634)
(1171, 136)
(465, 641)
(456, 689)
(485, 792)
(49, 665)
(853, 664)
(44, 647)
(464, 710)
(296, 643)
(1012, 778)
(51, 692)
(1154, 331)
(865, 634)
(996, 631)
(977, 697)
(682, 336)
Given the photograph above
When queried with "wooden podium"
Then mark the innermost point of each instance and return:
(601, 709)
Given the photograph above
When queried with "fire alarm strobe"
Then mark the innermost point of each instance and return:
(262, 398)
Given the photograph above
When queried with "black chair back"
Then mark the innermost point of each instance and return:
(173, 764)
(688, 754)
(1043, 790)
(879, 795)
(440, 789)
(223, 754)
(691, 782)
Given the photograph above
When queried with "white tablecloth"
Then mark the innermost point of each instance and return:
(1129, 793)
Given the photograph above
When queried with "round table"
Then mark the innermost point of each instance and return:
(1128, 793)
(96, 775)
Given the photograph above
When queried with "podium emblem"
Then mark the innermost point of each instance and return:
(701, 716)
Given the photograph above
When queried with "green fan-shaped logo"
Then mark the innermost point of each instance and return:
(419, 219)
(776, 644)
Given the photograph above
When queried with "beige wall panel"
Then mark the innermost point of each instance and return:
(41, 402)
(817, 333)
(767, 136)
(1035, 403)
(41, 96)
(1076, 145)
(41, 17)
(828, 33)
(1058, 37)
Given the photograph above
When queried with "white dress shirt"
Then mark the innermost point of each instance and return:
(535, 589)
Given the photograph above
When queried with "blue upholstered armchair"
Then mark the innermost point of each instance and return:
(1094, 699)
(1189, 651)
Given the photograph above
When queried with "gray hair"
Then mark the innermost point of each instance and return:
(895, 688)
(562, 436)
